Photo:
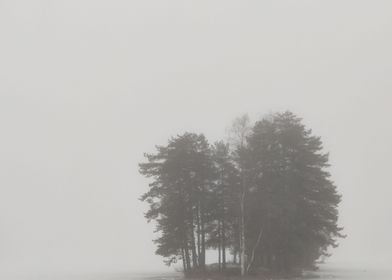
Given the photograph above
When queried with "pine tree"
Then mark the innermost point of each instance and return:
(223, 231)
(294, 201)
(178, 197)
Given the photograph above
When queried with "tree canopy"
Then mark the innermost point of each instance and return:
(268, 200)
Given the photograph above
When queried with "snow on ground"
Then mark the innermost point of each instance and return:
(353, 272)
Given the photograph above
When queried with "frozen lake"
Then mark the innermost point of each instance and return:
(353, 273)
(103, 276)
(327, 272)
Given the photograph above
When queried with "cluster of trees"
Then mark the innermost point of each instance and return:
(265, 199)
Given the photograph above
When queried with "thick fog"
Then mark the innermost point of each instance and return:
(86, 87)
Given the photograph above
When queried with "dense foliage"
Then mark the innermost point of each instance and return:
(268, 196)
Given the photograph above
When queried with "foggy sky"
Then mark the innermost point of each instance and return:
(86, 87)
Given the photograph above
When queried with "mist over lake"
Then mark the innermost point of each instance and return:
(88, 88)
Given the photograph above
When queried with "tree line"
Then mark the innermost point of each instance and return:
(265, 198)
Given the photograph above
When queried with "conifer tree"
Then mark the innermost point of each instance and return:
(294, 201)
(226, 190)
(178, 197)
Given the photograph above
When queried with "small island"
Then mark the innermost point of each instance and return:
(263, 201)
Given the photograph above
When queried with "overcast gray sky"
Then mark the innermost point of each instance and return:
(86, 87)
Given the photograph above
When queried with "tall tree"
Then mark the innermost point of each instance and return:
(294, 201)
(239, 133)
(178, 195)
(226, 211)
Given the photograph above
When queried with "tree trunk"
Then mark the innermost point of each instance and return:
(223, 245)
(223, 232)
(254, 250)
(187, 258)
(198, 233)
(239, 255)
(203, 241)
(242, 234)
(193, 244)
(183, 260)
(219, 247)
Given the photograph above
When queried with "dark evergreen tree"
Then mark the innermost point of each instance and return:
(294, 202)
(223, 231)
(178, 197)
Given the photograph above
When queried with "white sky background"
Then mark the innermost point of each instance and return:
(86, 87)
